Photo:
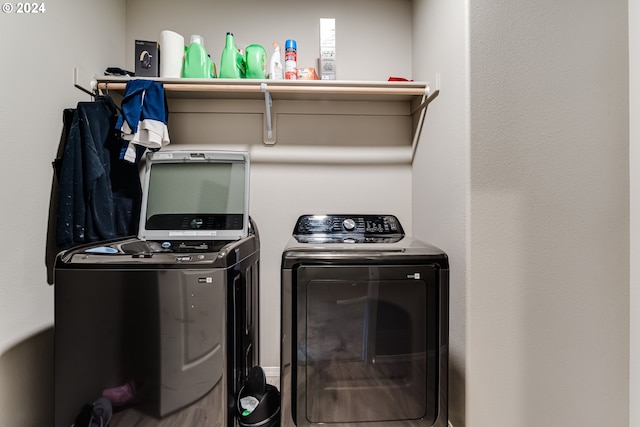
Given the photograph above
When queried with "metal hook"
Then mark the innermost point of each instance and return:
(78, 86)
(85, 90)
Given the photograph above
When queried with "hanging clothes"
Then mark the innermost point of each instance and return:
(144, 118)
(99, 195)
(51, 248)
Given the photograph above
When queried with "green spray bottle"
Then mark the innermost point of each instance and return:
(197, 64)
(232, 63)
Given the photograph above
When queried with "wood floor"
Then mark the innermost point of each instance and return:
(206, 412)
(200, 413)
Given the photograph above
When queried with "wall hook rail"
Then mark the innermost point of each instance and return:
(80, 87)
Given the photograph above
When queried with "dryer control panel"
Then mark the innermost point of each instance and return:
(348, 229)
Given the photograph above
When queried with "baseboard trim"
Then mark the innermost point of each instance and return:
(271, 371)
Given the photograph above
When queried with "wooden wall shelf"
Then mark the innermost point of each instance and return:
(340, 114)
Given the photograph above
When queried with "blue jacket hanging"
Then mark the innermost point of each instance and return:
(98, 195)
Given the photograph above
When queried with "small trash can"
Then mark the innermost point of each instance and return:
(258, 402)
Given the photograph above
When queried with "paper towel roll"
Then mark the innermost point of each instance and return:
(171, 54)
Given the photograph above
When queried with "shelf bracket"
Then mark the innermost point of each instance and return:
(268, 102)
(427, 98)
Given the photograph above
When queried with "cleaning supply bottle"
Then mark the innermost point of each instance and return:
(290, 60)
(241, 63)
(197, 64)
(275, 65)
(232, 63)
(256, 67)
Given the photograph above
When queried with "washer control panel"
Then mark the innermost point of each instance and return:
(348, 229)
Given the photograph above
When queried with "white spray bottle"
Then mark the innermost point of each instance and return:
(275, 65)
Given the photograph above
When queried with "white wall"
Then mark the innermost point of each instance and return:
(440, 170)
(373, 37)
(634, 160)
(38, 55)
(548, 317)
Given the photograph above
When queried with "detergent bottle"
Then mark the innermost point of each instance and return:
(256, 66)
(197, 64)
(232, 62)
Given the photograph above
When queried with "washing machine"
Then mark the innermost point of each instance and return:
(364, 325)
(164, 324)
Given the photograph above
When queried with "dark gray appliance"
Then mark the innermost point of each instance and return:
(364, 325)
(165, 324)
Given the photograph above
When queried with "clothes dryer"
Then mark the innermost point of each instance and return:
(364, 325)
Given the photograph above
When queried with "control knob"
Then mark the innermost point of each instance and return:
(349, 224)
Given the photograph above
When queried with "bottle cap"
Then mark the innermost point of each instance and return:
(196, 38)
(290, 44)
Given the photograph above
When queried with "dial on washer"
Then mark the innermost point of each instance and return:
(349, 224)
